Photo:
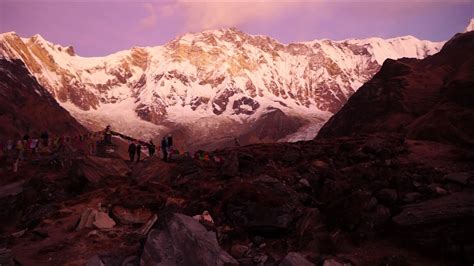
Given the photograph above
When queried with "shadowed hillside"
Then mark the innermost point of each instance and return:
(429, 99)
(26, 107)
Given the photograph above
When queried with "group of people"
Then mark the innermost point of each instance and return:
(43, 146)
(135, 148)
(18, 149)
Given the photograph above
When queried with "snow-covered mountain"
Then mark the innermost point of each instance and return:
(470, 27)
(211, 85)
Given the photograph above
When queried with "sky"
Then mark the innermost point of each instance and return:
(101, 27)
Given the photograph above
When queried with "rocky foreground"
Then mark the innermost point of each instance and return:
(367, 200)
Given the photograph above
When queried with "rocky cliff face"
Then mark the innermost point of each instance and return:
(429, 99)
(224, 75)
(26, 107)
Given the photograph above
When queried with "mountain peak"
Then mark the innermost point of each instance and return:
(222, 30)
(210, 36)
(8, 33)
(470, 27)
(38, 37)
(232, 30)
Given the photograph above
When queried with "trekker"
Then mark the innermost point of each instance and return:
(170, 146)
(26, 142)
(45, 138)
(108, 135)
(34, 146)
(8, 148)
(131, 151)
(170, 141)
(9, 145)
(236, 142)
(139, 151)
(151, 148)
(20, 149)
(164, 148)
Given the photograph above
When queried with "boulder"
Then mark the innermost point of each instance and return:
(437, 189)
(320, 165)
(93, 218)
(398, 260)
(95, 169)
(387, 196)
(333, 262)
(295, 259)
(373, 222)
(184, 241)
(95, 261)
(87, 219)
(264, 206)
(372, 203)
(205, 217)
(310, 221)
(459, 178)
(260, 259)
(103, 221)
(175, 202)
(411, 197)
(128, 216)
(12, 189)
(305, 182)
(155, 170)
(19, 233)
(349, 210)
(238, 251)
(333, 190)
(435, 223)
(381, 215)
(36, 213)
(148, 225)
(131, 261)
(6, 257)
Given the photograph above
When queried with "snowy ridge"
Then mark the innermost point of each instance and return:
(470, 27)
(226, 75)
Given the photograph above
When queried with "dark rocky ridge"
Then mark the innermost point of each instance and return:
(27, 106)
(430, 99)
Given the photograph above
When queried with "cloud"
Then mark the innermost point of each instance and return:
(151, 19)
(197, 15)
(202, 15)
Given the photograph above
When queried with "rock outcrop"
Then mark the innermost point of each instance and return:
(26, 107)
(439, 222)
(184, 241)
(429, 99)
